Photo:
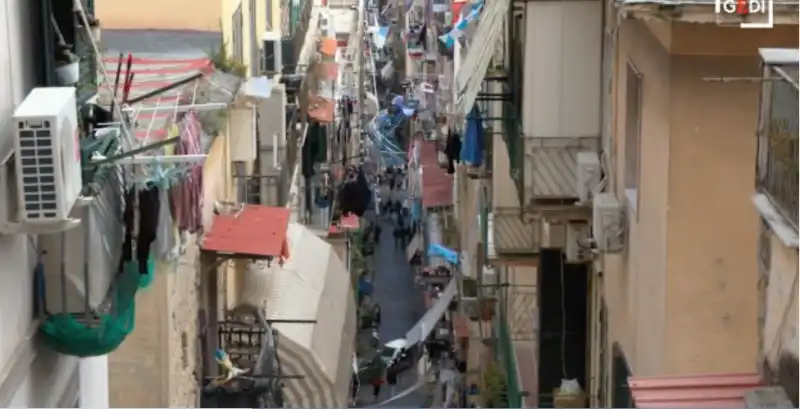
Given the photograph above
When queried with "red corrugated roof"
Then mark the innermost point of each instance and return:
(347, 222)
(258, 231)
(695, 391)
(437, 185)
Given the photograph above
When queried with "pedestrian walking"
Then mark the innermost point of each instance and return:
(377, 314)
(392, 380)
(377, 232)
(376, 387)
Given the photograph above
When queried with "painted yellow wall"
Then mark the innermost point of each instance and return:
(682, 297)
(228, 7)
(160, 14)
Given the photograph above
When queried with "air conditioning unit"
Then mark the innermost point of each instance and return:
(608, 223)
(588, 174)
(577, 248)
(272, 53)
(48, 159)
(471, 308)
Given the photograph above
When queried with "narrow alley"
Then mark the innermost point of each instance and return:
(401, 303)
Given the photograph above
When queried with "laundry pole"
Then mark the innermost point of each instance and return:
(93, 376)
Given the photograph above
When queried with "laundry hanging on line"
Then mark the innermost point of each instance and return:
(449, 39)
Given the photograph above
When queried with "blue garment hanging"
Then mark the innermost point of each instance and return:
(472, 147)
(437, 250)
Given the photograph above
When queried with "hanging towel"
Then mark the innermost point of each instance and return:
(187, 196)
(452, 150)
(165, 236)
(472, 148)
(149, 210)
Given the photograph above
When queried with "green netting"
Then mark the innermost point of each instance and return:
(66, 334)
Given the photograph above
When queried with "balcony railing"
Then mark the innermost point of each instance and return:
(777, 167)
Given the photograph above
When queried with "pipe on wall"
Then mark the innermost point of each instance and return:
(93, 375)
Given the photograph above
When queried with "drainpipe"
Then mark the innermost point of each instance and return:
(93, 376)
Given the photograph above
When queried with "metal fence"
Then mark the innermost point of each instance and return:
(777, 167)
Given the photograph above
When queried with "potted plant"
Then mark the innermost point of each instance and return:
(67, 72)
(494, 391)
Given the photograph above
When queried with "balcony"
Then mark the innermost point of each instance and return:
(550, 168)
(511, 236)
(777, 165)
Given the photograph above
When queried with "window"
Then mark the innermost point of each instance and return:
(269, 17)
(633, 134)
(237, 23)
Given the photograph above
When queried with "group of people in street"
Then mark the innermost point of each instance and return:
(392, 181)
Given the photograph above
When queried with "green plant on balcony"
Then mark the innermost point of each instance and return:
(494, 392)
(224, 62)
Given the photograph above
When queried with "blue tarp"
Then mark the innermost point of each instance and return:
(472, 148)
(437, 250)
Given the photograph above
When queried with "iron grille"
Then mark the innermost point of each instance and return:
(777, 167)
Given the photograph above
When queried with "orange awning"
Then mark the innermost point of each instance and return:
(347, 222)
(256, 231)
(693, 391)
(327, 46)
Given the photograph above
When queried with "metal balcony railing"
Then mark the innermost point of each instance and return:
(777, 166)
(86, 87)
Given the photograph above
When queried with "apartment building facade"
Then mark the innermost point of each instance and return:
(32, 374)
(775, 200)
(667, 105)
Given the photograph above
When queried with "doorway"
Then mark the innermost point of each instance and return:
(563, 338)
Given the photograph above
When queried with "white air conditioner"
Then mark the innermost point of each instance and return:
(608, 223)
(578, 249)
(271, 53)
(470, 307)
(490, 280)
(47, 159)
(588, 175)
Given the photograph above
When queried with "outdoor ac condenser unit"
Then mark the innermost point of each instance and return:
(48, 157)
(588, 175)
(608, 223)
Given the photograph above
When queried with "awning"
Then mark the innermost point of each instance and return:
(255, 231)
(308, 288)
(693, 391)
(414, 246)
(426, 324)
(437, 250)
